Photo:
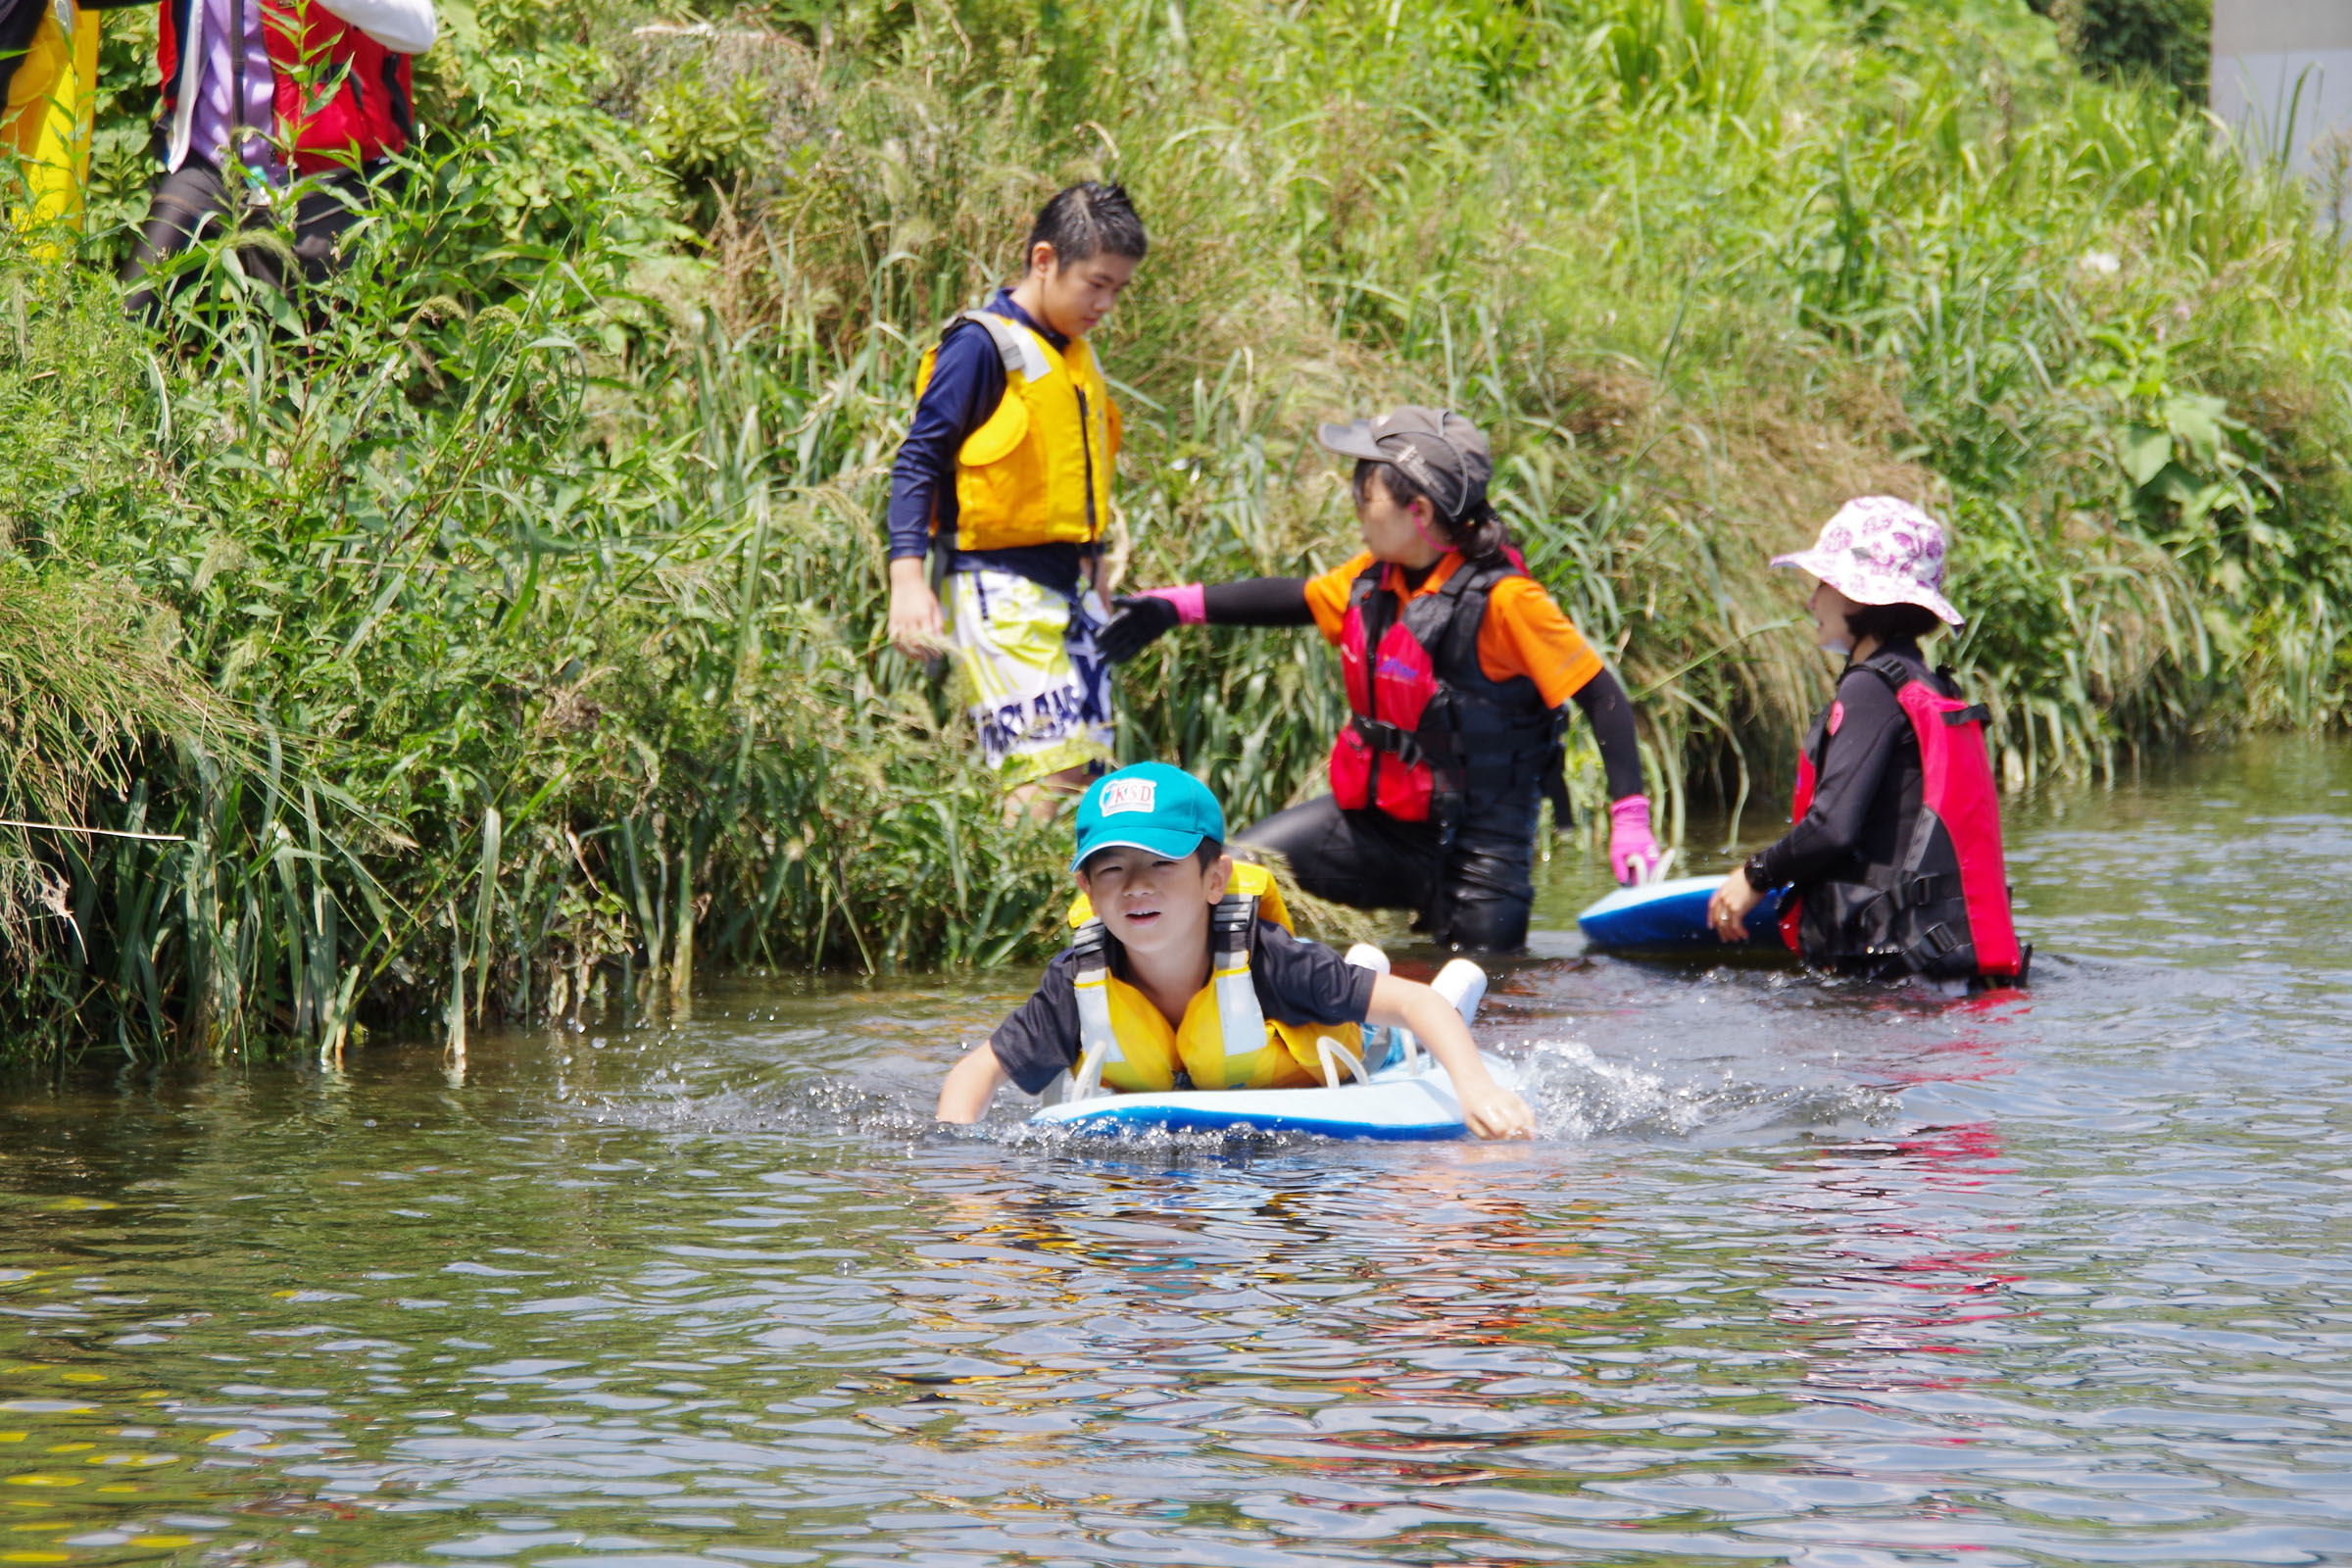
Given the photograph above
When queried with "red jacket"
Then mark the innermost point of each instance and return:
(342, 98)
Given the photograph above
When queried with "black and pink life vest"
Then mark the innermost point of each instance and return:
(1944, 910)
(1431, 737)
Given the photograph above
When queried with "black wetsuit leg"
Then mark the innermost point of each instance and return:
(1474, 893)
(1361, 858)
(1487, 891)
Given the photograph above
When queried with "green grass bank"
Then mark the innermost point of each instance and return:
(498, 629)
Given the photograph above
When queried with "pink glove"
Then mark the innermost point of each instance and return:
(1633, 851)
(1190, 601)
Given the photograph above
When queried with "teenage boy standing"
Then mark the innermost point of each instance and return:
(1006, 471)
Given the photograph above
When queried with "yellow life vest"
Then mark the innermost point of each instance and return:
(1226, 1040)
(47, 120)
(1038, 470)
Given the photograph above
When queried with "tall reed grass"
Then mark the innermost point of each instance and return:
(498, 629)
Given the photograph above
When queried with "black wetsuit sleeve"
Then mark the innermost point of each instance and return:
(1610, 713)
(1257, 602)
(1302, 981)
(1039, 1041)
(1853, 763)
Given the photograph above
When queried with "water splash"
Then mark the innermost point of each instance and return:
(1579, 1097)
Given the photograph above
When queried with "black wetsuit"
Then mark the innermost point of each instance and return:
(1866, 798)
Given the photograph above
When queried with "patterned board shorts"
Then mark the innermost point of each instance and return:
(1038, 688)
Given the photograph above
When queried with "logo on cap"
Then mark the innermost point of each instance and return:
(1410, 459)
(1127, 795)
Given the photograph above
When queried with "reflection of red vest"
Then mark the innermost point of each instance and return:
(1945, 911)
(1433, 736)
(342, 99)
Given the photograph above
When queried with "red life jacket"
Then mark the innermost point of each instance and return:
(1431, 737)
(1945, 911)
(341, 98)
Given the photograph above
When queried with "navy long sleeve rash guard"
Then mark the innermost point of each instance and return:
(967, 382)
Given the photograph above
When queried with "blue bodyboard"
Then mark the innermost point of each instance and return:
(1672, 916)
(1404, 1103)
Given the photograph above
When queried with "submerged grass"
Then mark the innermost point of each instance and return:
(500, 627)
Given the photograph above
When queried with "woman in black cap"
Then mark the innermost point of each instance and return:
(1458, 667)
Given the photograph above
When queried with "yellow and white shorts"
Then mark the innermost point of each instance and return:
(1038, 688)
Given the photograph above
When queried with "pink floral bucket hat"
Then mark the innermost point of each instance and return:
(1880, 551)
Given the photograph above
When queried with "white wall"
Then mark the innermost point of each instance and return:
(2262, 50)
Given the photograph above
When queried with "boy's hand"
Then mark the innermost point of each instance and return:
(1490, 1110)
(1494, 1111)
(916, 628)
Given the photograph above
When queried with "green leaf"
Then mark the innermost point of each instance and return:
(2145, 452)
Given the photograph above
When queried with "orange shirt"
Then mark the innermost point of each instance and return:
(1524, 632)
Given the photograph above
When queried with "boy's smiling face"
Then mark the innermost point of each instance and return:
(1153, 904)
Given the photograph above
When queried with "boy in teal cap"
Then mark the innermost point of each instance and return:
(1184, 974)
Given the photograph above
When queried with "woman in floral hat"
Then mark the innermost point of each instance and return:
(1894, 861)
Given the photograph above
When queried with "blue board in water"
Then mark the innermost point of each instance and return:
(1665, 917)
(1409, 1103)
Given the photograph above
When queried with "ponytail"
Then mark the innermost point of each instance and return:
(1482, 536)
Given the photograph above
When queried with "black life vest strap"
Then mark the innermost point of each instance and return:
(1906, 891)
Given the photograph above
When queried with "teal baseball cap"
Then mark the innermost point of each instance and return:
(1150, 806)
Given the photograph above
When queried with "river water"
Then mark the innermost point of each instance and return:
(1832, 1276)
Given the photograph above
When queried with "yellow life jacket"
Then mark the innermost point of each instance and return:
(1226, 1040)
(47, 120)
(1038, 470)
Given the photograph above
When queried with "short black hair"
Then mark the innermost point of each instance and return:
(1087, 220)
(1207, 855)
(1482, 535)
(1893, 623)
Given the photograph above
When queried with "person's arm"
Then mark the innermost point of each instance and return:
(404, 27)
(1870, 725)
(967, 382)
(1036, 1043)
(1144, 618)
(1491, 1111)
(1634, 853)
(1527, 634)
(1610, 713)
(971, 1084)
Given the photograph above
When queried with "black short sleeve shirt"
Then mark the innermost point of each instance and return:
(1298, 982)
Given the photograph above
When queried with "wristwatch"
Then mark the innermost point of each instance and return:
(1755, 870)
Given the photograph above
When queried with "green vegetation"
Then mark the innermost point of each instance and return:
(2165, 39)
(500, 626)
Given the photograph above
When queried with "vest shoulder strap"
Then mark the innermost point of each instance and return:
(1098, 1035)
(1469, 589)
(1233, 933)
(1895, 670)
(1015, 347)
(1898, 674)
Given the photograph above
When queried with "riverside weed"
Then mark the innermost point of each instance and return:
(519, 597)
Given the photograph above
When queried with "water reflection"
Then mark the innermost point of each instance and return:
(1799, 1274)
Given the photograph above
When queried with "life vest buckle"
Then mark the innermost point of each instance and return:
(1399, 742)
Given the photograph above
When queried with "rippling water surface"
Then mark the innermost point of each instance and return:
(1827, 1276)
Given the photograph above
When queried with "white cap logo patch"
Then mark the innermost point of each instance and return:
(1128, 795)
